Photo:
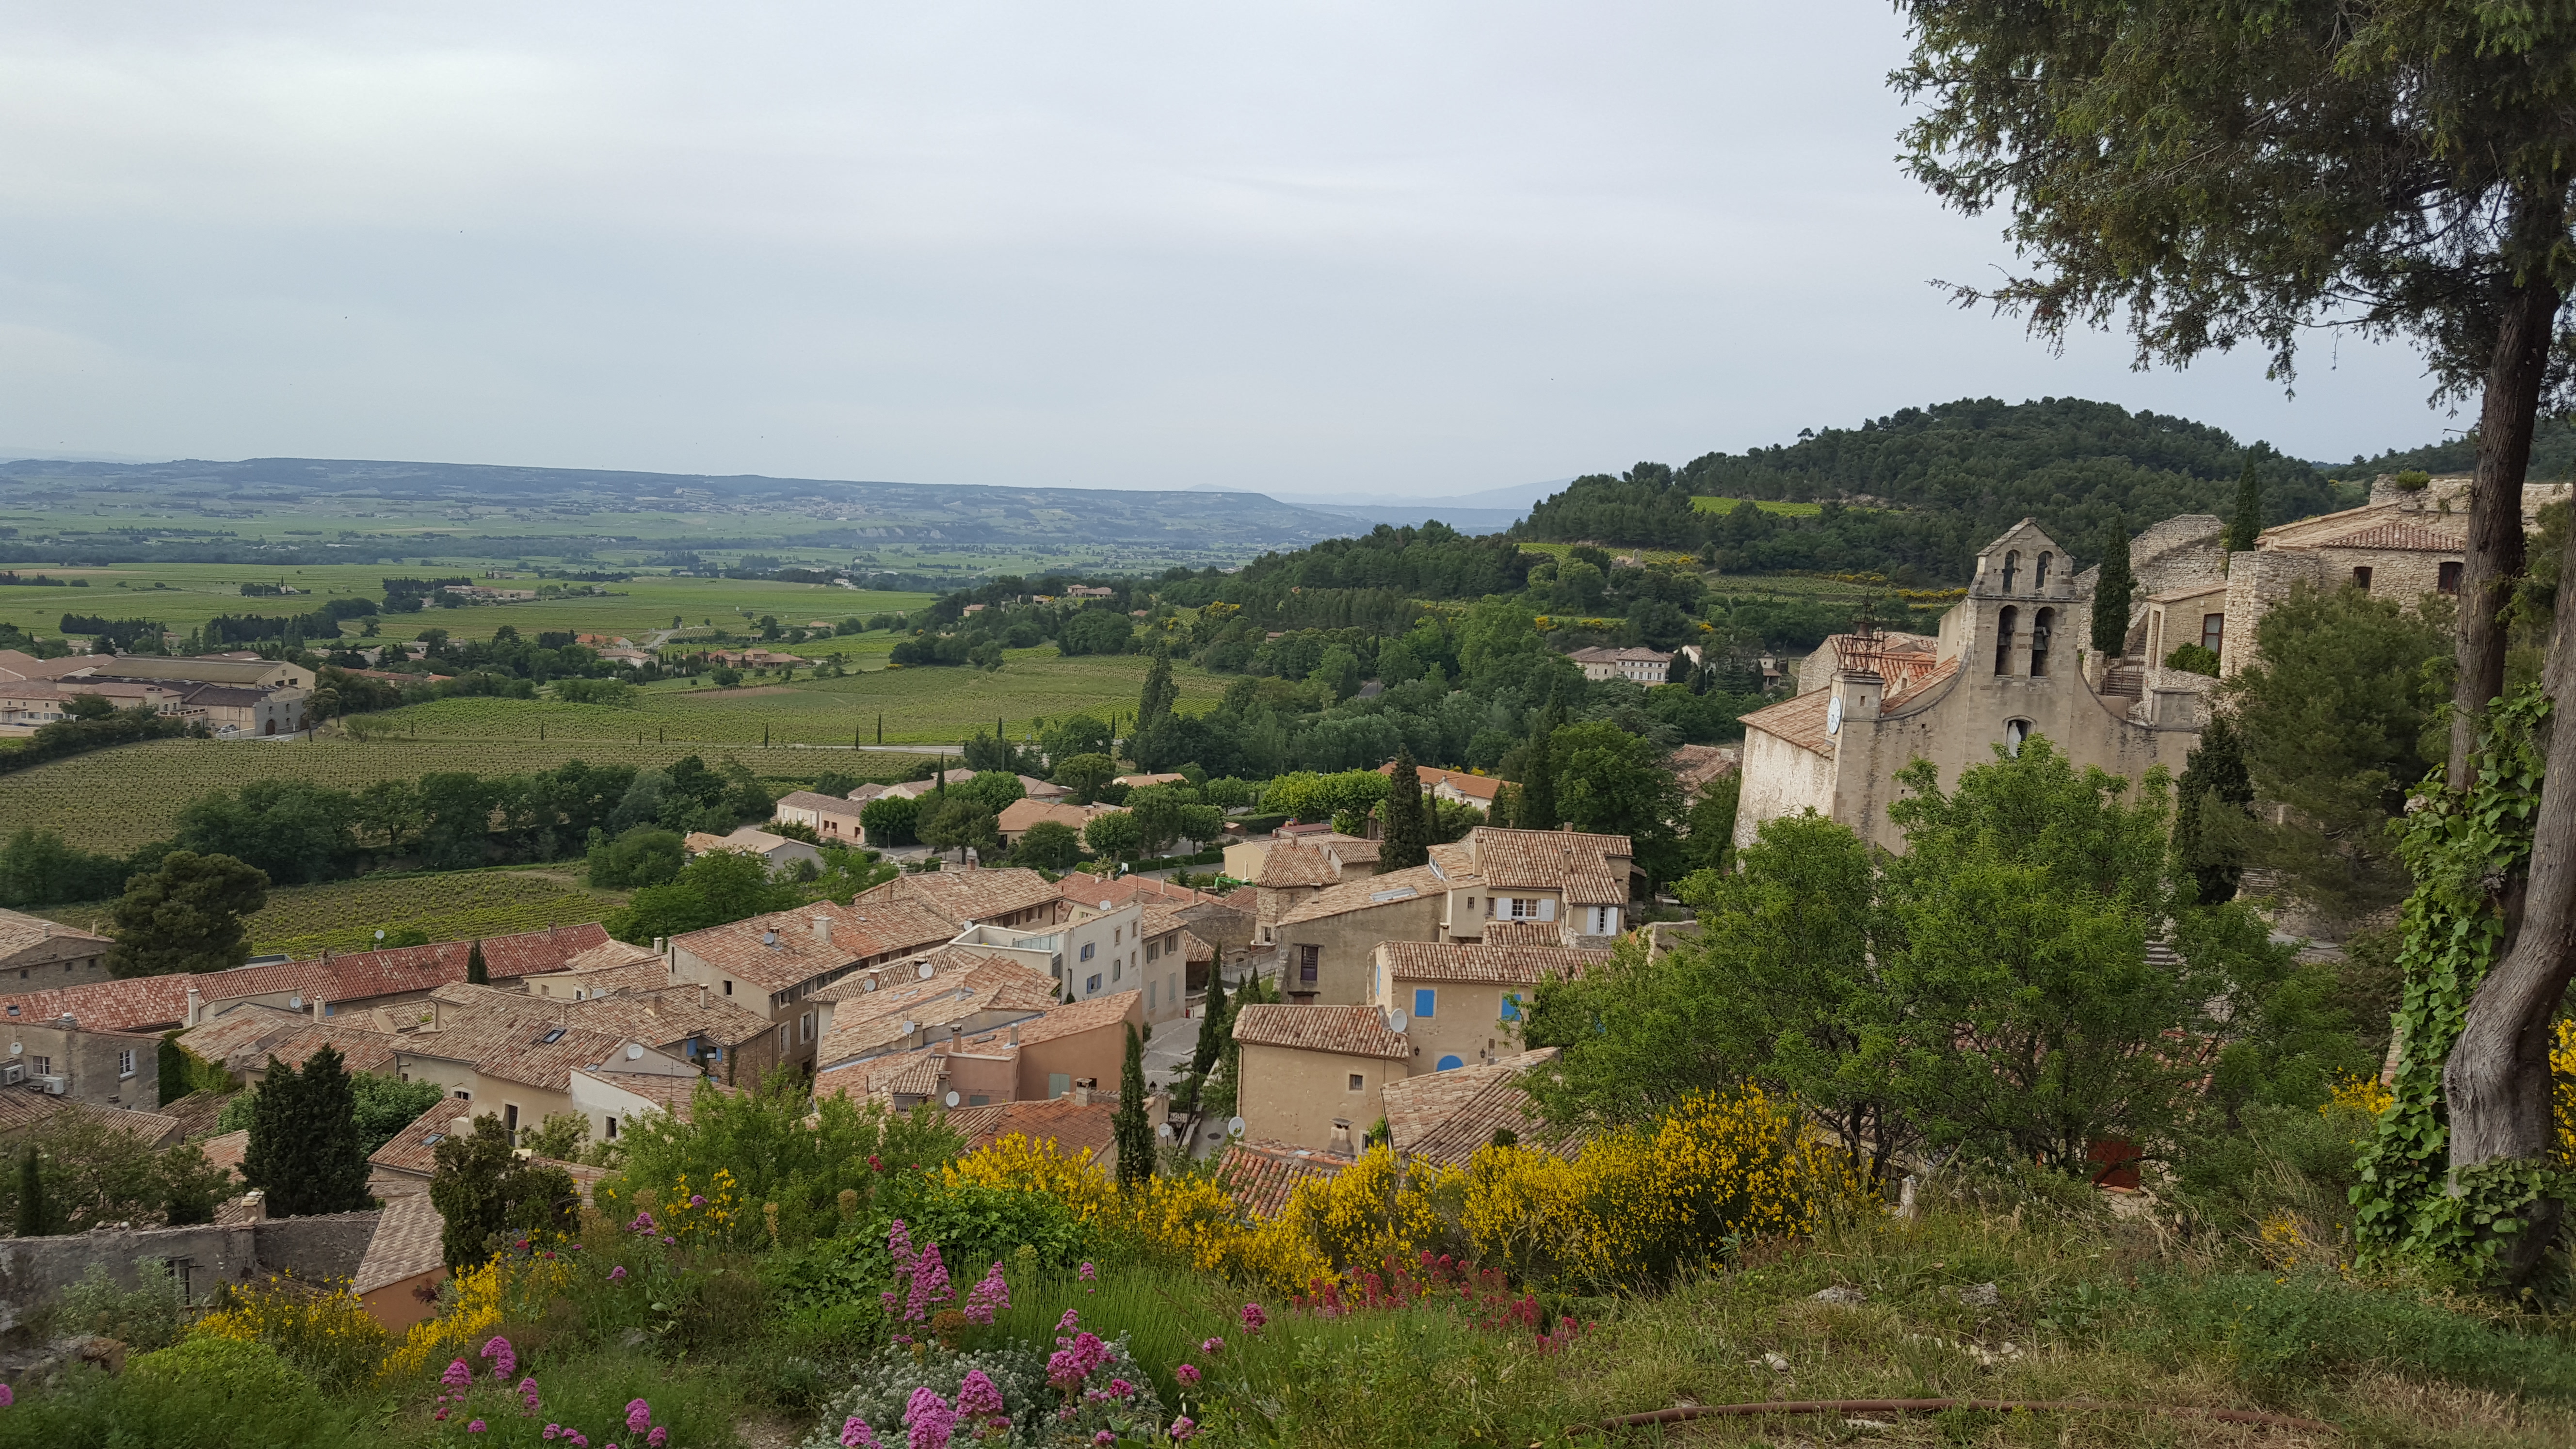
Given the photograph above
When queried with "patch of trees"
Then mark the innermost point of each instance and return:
(123, 634)
(91, 723)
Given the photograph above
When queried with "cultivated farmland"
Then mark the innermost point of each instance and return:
(343, 916)
(115, 800)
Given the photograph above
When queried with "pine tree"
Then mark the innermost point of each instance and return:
(2112, 594)
(2248, 521)
(34, 1218)
(1130, 1132)
(305, 1151)
(2214, 779)
(476, 972)
(1408, 833)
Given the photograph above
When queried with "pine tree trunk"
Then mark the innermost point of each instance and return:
(2495, 554)
(2496, 1082)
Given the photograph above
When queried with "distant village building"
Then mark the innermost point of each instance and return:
(1637, 666)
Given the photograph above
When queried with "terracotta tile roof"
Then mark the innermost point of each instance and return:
(1091, 890)
(840, 805)
(1489, 963)
(226, 1150)
(781, 949)
(22, 933)
(906, 974)
(137, 1003)
(1445, 1116)
(1019, 815)
(1294, 863)
(1344, 850)
(1589, 869)
(1259, 1176)
(1923, 685)
(518, 1051)
(1082, 1016)
(658, 1017)
(1799, 721)
(1074, 1127)
(1370, 891)
(674, 1095)
(1524, 933)
(1696, 765)
(913, 1073)
(238, 1039)
(650, 974)
(875, 1021)
(2410, 537)
(406, 1245)
(414, 1150)
(1194, 950)
(1351, 1031)
(968, 894)
(607, 956)
(23, 1107)
(360, 1049)
(197, 1111)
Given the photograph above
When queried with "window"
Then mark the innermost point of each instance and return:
(1309, 960)
(2361, 577)
(2005, 623)
(510, 1115)
(1423, 1001)
(2449, 579)
(125, 1064)
(40, 1066)
(2213, 628)
(2039, 577)
(2042, 624)
(1153, 995)
(1358, 1082)
(2012, 564)
(463, 1095)
(728, 988)
(808, 1024)
(1511, 1006)
(979, 1099)
(1058, 1083)
(1153, 950)
(1087, 948)
(612, 1129)
(1093, 984)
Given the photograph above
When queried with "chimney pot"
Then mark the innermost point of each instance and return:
(823, 929)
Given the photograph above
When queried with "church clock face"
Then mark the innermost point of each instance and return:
(1834, 715)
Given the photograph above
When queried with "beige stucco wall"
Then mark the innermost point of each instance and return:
(1344, 974)
(1297, 1096)
(1466, 1022)
(1097, 1054)
(1780, 779)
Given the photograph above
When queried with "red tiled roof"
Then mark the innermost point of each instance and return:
(1081, 1016)
(967, 894)
(1351, 1031)
(1260, 1176)
(1589, 869)
(1076, 1128)
(674, 1095)
(1524, 933)
(1491, 964)
(2408, 537)
(414, 1150)
(1922, 685)
(1799, 721)
(226, 1150)
(1090, 890)
(1444, 1117)
(1292, 863)
(1369, 891)
(517, 1051)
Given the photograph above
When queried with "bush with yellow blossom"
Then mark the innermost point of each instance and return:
(321, 1328)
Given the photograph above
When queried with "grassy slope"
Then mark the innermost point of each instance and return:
(115, 800)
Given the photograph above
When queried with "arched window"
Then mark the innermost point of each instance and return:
(2012, 565)
(2039, 579)
(2015, 731)
(2042, 624)
(2005, 623)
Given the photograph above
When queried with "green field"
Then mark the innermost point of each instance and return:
(1707, 504)
(921, 705)
(302, 921)
(194, 593)
(1558, 551)
(115, 800)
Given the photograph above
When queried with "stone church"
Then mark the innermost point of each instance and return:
(2013, 658)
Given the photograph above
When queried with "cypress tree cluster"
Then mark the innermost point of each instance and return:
(1408, 826)
(2248, 521)
(1538, 774)
(305, 1151)
(1128, 1129)
(2112, 594)
(476, 972)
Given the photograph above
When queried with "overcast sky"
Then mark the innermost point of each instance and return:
(1401, 249)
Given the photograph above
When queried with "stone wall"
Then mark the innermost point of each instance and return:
(313, 1249)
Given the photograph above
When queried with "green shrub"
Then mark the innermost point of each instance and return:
(147, 1316)
(205, 1393)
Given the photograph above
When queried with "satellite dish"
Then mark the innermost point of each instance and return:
(1233, 1126)
(634, 1051)
(868, 985)
(953, 1099)
(1164, 1131)
(1834, 715)
(1395, 1022)
(928, 970)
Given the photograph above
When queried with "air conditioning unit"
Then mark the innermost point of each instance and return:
(12, 1074)
(55, 1085)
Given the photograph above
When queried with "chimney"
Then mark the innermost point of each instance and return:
(660, 946)
(68, 1023)
(823, 929)
(196, 1005)
(702, 996)
(1015, 1034)
(318, 1012)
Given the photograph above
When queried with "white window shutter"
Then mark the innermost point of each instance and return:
(1547, 908)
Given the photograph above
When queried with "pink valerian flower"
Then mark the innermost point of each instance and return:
(979, 1397)
(697, 1199)
(899, 1246)
(505, 1361)
(1188, 1374)
(639, 1416)
(441, 1415)
(1253, 1318)
(1076, 1360)
(643, 1224)
(1104, 1438)
(856, 1434)
(1183, 1427)
(1121, 1389)
(660, 1436)
(1088, 1273)
(929, 1419)
(1065, 1324)
(991, 1296)
(1212, 1345)
(873, 1164)
(474, 1428)
(617, 1274)
(457, 1376)
(929, 1286)
(669, 1241)
(7, 1396)
(552, 1431)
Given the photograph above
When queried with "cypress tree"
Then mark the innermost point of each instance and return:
(1538, 790)
(34, 1218)
(1214, 1022)
(1128, 1129)
(2248, 521)
(1408, 834)
(476, 972)
(2214, 779)
(305, 1150)
(2112, 594)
